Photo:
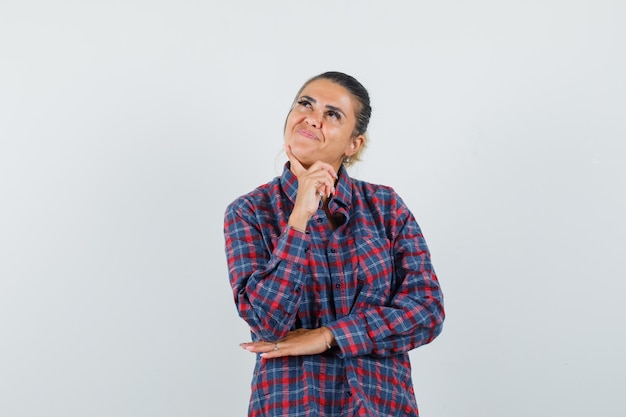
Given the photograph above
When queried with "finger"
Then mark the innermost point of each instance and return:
(257, 347)
(321, 191)
(324, 183)
(326, 187)
(296, 166)
(275, 352)
(324, 191)
(323, 166)
(321, 177)
(272, 355)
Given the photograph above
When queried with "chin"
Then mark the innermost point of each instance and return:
(301, 151)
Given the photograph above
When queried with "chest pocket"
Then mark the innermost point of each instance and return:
(374, 272)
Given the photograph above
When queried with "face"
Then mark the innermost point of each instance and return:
(320, 126)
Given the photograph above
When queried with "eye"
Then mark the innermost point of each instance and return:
(334, 114)
(304, 103)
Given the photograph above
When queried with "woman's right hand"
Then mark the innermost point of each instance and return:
(314, 184)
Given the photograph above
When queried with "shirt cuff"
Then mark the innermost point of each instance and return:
(351, 336)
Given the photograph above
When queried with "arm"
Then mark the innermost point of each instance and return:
(414, 314)
(266, 281)
(267, 277)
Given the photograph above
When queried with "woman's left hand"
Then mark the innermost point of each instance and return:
(297, 342)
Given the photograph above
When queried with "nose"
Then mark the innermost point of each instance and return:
(314, 119)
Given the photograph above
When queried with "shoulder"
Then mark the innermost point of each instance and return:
(378, 195)
(382, 207)
(258, 199)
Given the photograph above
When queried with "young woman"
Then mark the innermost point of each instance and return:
(332, 274)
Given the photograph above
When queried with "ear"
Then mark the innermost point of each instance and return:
(355, 144)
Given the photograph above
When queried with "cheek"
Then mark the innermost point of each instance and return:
(291, 120)
(338, 136)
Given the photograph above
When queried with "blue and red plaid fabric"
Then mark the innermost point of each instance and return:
(370, 281)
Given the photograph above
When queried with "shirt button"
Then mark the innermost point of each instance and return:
(348, 394)
(333, 251)
(337, 286)
(319, 219)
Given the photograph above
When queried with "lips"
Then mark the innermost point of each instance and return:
(307, 134)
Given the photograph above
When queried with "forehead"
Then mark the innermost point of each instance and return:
(326, 92)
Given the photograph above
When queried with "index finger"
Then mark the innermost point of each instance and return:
(296, 166)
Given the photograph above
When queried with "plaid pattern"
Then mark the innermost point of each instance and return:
(370, 282)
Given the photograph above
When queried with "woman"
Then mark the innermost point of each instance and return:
(332, 274)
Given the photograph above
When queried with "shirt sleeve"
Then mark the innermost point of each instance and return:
(266, 277)
(414, 314)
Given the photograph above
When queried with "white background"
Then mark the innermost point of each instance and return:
(126, 127)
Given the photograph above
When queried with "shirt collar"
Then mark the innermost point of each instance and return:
(289, 183)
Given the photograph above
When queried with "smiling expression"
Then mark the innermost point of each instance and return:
(321, 123)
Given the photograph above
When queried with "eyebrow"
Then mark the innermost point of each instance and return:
(328, 106)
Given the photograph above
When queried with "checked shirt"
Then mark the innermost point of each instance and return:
(370, 281)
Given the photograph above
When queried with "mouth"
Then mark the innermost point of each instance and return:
(307, 134)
